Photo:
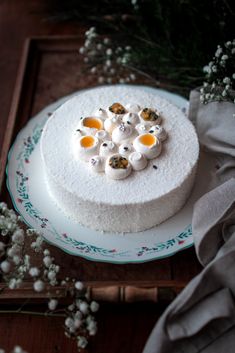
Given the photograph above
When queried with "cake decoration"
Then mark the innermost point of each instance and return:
(119, 139)
(159, 132)
(148, 144)
(117, 167)
(150, 115)
(87, 146)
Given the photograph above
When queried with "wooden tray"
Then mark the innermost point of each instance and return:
(51, 68)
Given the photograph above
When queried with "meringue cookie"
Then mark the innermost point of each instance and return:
(159, 132)
(117, 167)
(132, 108)
(125, 149)
(138, 160)
(116, 110)
(123, 133)
(86, 147)
(97, 163)
(131, 118)
(90, 125)
(142, 128)
(151, 116)
(102, 135)
(107, 148)
(111, 123)
(148, 144)
(101, 113)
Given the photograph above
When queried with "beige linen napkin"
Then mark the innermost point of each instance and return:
(202, 317)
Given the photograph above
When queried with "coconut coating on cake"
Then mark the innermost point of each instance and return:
(144, 199)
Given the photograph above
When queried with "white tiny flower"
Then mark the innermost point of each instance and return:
(109, 51)
(77, 323)
(226, 80)
(101, 79)
(93, 70)
(82, 342)
(132, 77)
(51, 275)
(79, 285)
(5, 266)
(224, 93)
(18, 236)
(109, 80)
(83, 307)
(233, 76)
(108, 63)
(99, 46)
(69, 322)
(78, 315)
(121, 80)
(46, 252)
(82, 50)
(106, 40)
(34, 271)
(92, 328)
(71, 307)
(94, 306)
(39, 286)
(224, 57)
(52, 304)
(47, 260)
(12, 283)
(86, 59)
(16, 259)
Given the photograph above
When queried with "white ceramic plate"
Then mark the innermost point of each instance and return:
(31, 199)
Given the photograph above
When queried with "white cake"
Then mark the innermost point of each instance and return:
(141, 200)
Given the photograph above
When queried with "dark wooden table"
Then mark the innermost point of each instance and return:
(41, 79)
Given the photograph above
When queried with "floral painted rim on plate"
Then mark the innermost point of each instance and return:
(36, 219)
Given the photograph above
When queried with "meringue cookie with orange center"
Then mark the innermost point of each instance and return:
(132, 108)
(148, 144)
(111, 123)
(131, 118)
(86, 147)
(117, 167)
(159, 132)
(116, 110)
(125, 149)
(102, 135)
(107, 148)
(149, 115)
(143, 128)
(97, 163)
(124, 133)
(101, 113)
(90, 125)
(138, 160)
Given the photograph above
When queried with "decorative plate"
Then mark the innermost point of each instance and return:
(30, 197)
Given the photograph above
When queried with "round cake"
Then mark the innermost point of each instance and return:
(119, 159)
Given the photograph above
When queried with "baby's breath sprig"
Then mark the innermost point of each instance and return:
(106, 59)
(220, 75)
(16, 265)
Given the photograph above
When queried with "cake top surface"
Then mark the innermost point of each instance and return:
(162, 175)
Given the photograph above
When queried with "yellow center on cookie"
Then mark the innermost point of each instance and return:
(87, 141)
(92, 123)
(147, 139)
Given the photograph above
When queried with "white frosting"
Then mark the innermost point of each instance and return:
(117, 173)
(150, 151)
(123, 133)
(107, 148)
(102, 135)
(125, 149)
(111, 205)
(159, 132)
(132, 108)
(111, 123)
(82, 152)
(97, 164)
(138, 160)
(101, 113)
(142, 128)
(131, 118)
